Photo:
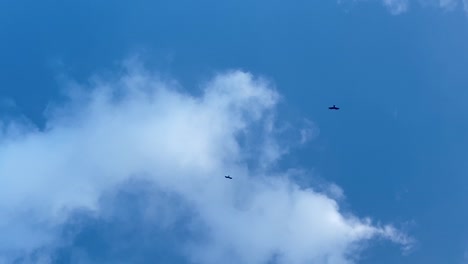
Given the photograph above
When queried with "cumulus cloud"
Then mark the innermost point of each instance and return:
(145, 136)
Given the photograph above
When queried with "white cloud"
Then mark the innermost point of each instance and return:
(138, 124)
(308, 132)
(448, 4)
(465, 5)
(396, 7)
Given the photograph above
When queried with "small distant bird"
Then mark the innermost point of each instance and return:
(228, 177)
(333, 107)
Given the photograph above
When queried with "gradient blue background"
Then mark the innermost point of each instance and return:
(399, 145)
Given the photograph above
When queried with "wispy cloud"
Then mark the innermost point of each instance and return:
(308, 132)
(138, 126)
(398, 7)
(465, 5)
(449, 4)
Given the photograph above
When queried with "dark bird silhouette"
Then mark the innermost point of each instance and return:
(333, 107)
(228, 177)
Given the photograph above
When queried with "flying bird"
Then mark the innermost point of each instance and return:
(333, 107)
(228, 177)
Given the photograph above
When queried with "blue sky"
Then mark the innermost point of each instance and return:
(397, 148)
